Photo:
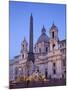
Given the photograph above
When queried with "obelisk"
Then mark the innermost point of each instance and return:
(30, 60)
(31, 54)
(31, 35)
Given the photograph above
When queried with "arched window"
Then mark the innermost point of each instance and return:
(46, 49)
(54, 64)
(54, 71)
(53, 46)
(54, 68)
(46, 73)
(23, 56)
(23, 45)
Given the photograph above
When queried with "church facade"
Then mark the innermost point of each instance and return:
(49, 56)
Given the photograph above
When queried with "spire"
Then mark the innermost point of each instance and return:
(43, 30)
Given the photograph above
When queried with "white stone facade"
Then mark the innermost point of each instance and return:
(50, 57)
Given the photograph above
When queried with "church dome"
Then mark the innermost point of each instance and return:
(43, 37)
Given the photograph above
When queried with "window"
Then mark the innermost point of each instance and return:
(21, 71)
(37, 70)
(52, 34)
(62, 44)
(23, 56)
(16, 71)
(46, 49)
(46, 73)
(23, 46)
(54, 64)
(53, 46)
(54, 71)
(64, 62)
(63, 51)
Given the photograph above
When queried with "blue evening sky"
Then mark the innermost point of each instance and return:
(43, 14)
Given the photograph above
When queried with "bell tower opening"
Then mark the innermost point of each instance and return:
(53, 46)
(53, 34)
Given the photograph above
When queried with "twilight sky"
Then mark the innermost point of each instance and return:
(43, 14)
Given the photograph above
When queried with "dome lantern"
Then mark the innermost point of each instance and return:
(43, 30)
